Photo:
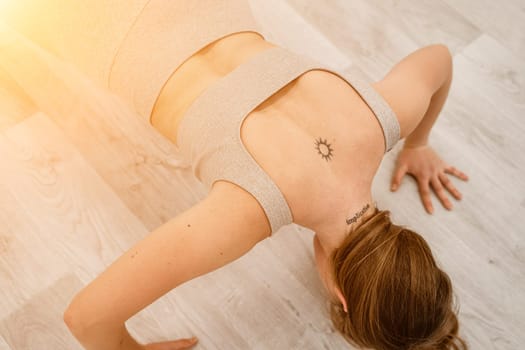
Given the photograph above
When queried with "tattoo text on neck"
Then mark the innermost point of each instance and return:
(358, 215)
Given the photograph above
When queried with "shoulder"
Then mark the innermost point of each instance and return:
(239, 208)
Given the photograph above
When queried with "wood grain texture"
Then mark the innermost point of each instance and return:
(38, 324)
(278, 17)
(46, 210)
(502, 20)
(102, 127)
(16, 105)
(82, 178)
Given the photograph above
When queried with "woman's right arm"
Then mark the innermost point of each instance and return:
(416, 89)
(216, 231)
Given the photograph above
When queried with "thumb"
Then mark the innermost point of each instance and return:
(398, 176)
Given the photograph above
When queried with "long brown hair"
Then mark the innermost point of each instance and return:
(397, 297)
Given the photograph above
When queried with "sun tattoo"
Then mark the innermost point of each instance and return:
(324, 149)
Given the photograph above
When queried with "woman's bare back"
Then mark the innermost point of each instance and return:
(316, 138)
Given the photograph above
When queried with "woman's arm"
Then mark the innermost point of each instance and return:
(216, 231)
(416, 89)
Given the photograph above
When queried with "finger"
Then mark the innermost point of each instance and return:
(440, 192)
(424, 193)
(184, 344)
(453, 171)
(398, 176)
(173, 344)
(449, 186)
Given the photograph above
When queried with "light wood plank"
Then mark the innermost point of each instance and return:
(282, 25)
(503, 20)
(427, 22)
(502, 84)
(360, 31)
(51, 215)
(22, 253)
(14, 102)
(106, 132)
(38, 324)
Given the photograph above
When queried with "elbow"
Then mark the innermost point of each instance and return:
(90, 325)
(444, 49)
(74, 321)
(81, 321)
(443, 54)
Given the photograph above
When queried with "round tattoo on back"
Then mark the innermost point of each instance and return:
(324, 149)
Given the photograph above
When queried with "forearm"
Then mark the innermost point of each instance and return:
(419, 136)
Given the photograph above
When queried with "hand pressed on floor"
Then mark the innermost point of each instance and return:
(430, 170)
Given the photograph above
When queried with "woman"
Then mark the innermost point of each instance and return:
(278, 138)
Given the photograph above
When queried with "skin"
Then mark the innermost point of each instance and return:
(321, 123)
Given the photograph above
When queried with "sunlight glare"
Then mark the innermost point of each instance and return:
(3, 7)
(3, 4)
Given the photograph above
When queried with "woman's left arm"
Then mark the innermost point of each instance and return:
(416, 89)
(218, 230)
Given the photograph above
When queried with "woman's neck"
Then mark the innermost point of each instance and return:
(332, 233)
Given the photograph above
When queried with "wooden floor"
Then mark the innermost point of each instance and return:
(82, 178)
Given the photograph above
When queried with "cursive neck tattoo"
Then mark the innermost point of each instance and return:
(358, 215)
